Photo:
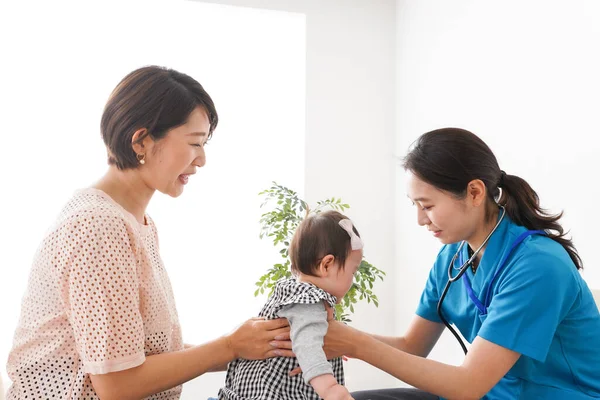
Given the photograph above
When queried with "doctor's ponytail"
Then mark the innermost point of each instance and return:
(523, 207)
(450, 158)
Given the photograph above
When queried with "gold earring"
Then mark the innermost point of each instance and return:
(141, 157)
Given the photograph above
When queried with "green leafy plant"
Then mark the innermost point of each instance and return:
(279, 225)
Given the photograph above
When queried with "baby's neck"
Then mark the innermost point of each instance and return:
(315, 280)
(322, 283)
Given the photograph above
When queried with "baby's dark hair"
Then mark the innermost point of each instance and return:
(318, 235)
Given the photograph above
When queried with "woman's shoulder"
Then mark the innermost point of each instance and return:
(541, 250)
(540, 261)
(91, 209)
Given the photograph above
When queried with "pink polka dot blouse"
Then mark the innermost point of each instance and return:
(98, 301)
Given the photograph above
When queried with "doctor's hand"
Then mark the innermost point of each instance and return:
(335, 343)
(338, 341)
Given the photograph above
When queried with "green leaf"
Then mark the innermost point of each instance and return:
(283, 212)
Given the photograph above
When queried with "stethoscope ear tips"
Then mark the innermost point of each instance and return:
(499, 197)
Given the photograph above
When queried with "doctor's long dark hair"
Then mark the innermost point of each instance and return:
(450, 158)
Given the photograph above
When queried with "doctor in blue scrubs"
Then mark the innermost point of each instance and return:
(517, 295)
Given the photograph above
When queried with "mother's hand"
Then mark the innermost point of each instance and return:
(257, 339)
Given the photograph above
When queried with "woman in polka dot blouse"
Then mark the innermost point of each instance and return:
(98, 319)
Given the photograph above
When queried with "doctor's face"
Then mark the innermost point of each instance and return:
(447, 217)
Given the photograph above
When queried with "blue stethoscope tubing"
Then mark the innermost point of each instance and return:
(482, 307)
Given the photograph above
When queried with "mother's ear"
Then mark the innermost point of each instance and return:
(141, 141)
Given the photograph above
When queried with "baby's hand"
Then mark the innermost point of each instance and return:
(337, 392)
(327, 388)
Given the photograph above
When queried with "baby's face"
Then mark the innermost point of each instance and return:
(341, 281)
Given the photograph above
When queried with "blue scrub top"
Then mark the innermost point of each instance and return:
(540, 308)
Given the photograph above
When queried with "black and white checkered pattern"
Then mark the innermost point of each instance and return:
(269, 379)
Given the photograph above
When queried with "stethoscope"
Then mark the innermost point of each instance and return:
(482, 306)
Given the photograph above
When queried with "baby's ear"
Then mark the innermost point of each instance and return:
(325, 265)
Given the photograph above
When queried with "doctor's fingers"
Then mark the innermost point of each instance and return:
(329, 310)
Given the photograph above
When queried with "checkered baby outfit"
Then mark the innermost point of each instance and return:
(269, 379)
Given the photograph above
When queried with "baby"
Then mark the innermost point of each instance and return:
(325, 253)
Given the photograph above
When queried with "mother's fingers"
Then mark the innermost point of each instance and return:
(280, 353)
(281, 334)
(274, 324)
(281, 344)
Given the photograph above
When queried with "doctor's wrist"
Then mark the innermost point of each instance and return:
(362, 345)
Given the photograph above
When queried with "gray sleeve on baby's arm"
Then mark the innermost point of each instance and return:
(308, 324)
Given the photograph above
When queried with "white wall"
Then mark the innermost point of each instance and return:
(350, 136)
(52, 96)
(349, 126)
(524, 76)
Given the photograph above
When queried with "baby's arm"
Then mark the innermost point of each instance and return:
(308, 324)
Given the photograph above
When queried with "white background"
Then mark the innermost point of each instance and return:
(62, 69)
(524, 76)
(521, 74)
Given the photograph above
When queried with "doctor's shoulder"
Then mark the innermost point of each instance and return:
(542, 258)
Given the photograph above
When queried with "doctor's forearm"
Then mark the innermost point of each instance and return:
(401, 343)
(451, 382)
(397, 342)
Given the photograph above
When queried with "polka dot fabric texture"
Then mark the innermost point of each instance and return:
(98, 301)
